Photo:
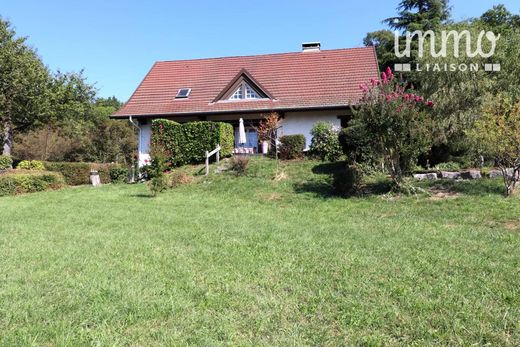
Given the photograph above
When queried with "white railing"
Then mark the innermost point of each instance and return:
(216, 151)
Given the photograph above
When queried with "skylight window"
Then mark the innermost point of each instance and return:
(183, 93)
(245, 92)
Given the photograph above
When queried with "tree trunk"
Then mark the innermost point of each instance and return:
(7, 139)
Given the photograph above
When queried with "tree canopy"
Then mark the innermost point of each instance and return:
(24, 86)
(55, 115)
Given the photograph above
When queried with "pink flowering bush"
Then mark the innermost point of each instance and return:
(395, 121)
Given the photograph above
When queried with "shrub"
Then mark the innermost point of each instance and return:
(347, 180)
(158, 180)
(75, 174)
(239, 165)
(31, 165)
(356, 146)
(292, 146)
(396, 123)
(497, 135)
(187, 143)
(13, 183)
(118, 174)
(448, 166)
(6, 162)
(146, 172)
(325, 143)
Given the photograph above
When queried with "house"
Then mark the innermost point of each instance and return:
(302, 87)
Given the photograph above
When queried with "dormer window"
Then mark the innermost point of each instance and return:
(183, 93)
(245, 92)
(243, 87)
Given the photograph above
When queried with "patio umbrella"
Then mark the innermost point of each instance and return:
(241, 132)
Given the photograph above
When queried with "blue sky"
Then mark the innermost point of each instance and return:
(116, 42)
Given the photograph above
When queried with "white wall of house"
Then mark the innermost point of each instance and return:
(302, 122)
(293, 123)
(145, 136)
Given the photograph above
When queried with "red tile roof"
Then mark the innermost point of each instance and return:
(320, 79)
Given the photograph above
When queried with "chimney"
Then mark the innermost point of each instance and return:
(311, 47)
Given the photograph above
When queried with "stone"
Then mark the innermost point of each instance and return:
(94, 178)
(510, 172)
(450, 175)
(426, 176)
(471, 174)
(495, 173)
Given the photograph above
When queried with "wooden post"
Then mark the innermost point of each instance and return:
(207, 163)
(216, 151)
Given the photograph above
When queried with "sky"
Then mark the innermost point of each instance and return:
(116, 42)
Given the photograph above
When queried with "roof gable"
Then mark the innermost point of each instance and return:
(242, 77)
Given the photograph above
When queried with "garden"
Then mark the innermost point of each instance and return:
(260, 259)
(401, 228)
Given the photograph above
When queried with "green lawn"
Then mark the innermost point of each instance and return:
(253, 261)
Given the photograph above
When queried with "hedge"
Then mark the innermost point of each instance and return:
(77, 174)
(12, 182)
(292, 146)
(187, 143)
(118, 174)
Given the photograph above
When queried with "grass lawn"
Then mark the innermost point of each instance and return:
(253, 261)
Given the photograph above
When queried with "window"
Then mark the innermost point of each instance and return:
(183, 93)
(245, 91)
(238, 94)
(250, 92)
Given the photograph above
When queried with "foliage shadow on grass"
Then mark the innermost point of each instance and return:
(142, 195)
(318, 188)
(480, 187)
(325, 188)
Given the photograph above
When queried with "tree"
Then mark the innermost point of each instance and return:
(396, 122)
(383, 42)
(412, 15)
(24, 86)
(268, 131)
(112, 140)
(499, 19)
(460, 94)
(508, 55)
(497, 134)
(419, 15)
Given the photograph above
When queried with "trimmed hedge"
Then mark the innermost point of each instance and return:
(6, 162)
(292, 146)
(12, 182)
(347, 180)
(187, 143)
(118, 174)
(77, 174)
(103, 171)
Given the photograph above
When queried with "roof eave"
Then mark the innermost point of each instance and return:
(220, 112)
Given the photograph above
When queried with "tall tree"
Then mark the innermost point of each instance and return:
(419, 15)
(24, 85)
(412, 15)
(383, 42)
(499, 19)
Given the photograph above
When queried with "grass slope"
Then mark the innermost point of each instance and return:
(252, 261)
